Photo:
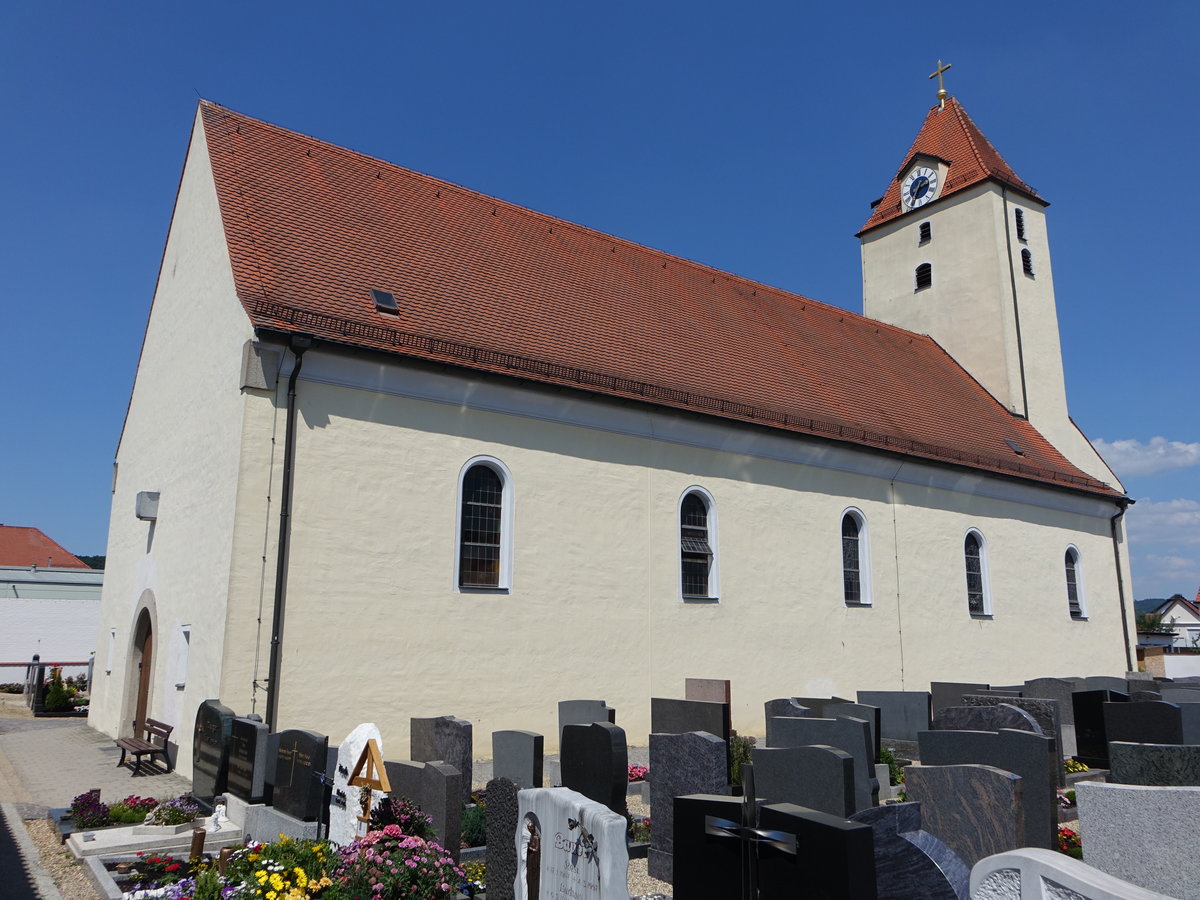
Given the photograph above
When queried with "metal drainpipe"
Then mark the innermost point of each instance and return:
(1122, 504)
(299, 344)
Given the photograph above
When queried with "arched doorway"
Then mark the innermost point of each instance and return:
(142, 664)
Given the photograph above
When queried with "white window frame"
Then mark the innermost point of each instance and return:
(714, 569)
(1080, 592)
(984, 572)
(507, 516)
(865, 597)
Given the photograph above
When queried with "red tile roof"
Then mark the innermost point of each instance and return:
(490, 286)
(951, 136)
(24, 546)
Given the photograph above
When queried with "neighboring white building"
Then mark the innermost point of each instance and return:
(1183, 616)
(513, 460)
(49, 602)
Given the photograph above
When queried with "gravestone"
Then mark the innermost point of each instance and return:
(984, 718)
(247, 759)
(1045, 712)
(909, 861)
(1154, 765)
(1106, 683)
(848, 734)
(501, 838)
(447, 739)
(668, 716)
(344, 804)
(816, 705)
(713, 690)
(680, 764)
(1031, 756)
(569, 846)
(1149, 722)
(210, 751)
(902, 714)
(949, 693)
(975, 810)
(595, 763)
(1091, 738)
(518, 756)
(1173, 693)
(583, 712)
(1143, 696)
(300, 765)
(436, 787)
(831, 858)
(815, 777)
(784, 707)
(869, 714)
(1059, 689)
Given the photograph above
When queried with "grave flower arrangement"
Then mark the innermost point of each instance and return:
(155, 870)
(639, 829)
(133, 809)
(1071, 766)
(1069, 842)
(638, 773)
(88, 812)
(404, 814)
(285, 869)
(474, 879)
(175, 812)
(1066, 799)
(388, 864)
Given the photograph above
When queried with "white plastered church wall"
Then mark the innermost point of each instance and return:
(181, 437)
(373, 614)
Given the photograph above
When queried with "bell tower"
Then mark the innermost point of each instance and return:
(957, 249)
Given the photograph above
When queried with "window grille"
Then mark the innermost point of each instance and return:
(695, 550)
(1027, 262)
(973, 553)
(925, 233)
(479, 543)
(851, 571)
(924, 276)
(1019, 215)
(1072, 564)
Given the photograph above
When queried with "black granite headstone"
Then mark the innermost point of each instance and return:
(1091, 737)
(300, 763)
(869, 714)
(909, 861)
(595, 762)
(501, 838)
(247, 759)
(902, 714)
(1148, 722)
(448, 739)
(949, 693)
(210, 751)
(436, 787)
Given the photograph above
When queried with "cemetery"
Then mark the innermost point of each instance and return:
(1056, 787)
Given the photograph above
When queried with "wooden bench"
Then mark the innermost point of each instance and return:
(145, 745)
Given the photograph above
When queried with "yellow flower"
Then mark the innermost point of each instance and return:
(271, 895)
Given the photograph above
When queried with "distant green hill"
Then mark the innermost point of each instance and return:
(1148, 605)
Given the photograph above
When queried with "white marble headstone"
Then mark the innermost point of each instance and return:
(578, 846)
(343, 819)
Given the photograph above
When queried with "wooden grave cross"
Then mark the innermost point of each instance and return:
(369, 772)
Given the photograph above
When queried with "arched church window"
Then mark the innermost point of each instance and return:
(975, 557)
(484, 525)
(697, 543)
(856, 566)
(924, 233)
(1019, 216)
(1027, 263)
(1074, 584)
(924, 276)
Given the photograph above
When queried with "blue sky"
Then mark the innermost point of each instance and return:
(750, 137)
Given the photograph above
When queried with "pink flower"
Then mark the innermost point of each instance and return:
(392, 830)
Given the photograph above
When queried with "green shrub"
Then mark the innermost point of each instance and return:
(12, 687)
(895, 771)
(739, 754)
(474, 826)
(58, 695)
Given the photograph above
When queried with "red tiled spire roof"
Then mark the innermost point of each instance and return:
(492, 287)
(24, 546)
(949, 135)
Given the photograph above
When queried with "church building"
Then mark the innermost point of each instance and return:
(397, 448)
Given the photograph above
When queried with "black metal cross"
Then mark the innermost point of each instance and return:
(751, 837)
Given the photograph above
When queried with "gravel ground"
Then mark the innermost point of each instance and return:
(68, 873)
(640, 883)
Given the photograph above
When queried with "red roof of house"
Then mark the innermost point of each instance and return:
(949, 135)
(490, 286)
(24, 546)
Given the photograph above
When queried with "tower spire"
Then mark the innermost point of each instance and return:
(941, 93)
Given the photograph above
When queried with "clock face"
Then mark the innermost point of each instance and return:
(919, 187)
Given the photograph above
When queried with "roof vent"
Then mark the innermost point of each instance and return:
(385, 302)
(1012, 445)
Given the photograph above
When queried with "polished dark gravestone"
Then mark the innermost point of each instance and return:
(815, 777)
(1106, 683)
(869, 714)
(583, 712)
(1091, 738)
(1154, 765)
(845, 733)
(501, 838)
(817, 705)
(680, 764)
(518, 756)
(1149, 722)
(1031, 756)
(210, 751)
(974, 809)
(301, 765)
(247, 759)
(949, 693)
(984, 718)
(1045, 711)
(1059, 689)
(1143, 696)
(436, 787)
(595, 763)
(444, 738)
(909, 861)
(785, 708)
(670, 716)
(902, 714)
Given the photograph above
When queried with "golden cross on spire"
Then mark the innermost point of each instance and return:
(941, 94)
